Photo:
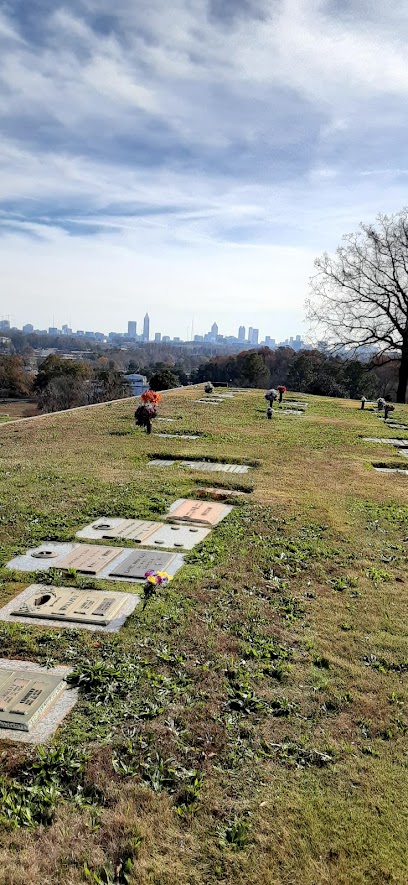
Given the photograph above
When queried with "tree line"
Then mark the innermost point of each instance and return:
(307, 371)
(61, 384)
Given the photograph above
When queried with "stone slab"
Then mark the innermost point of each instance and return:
(165, 419)
(177, 436)
(294, 402)
(162, 462)
(177, 563)
(206, 513)
(290, 412)
(403, 443)
(177, 537)
(52, 707)
(89, 559)
(215, 466)
(218, 494)
(12, 611)
(139, 562)
(397, 426)
(209, 402)
(137, 530)
(25, 696)
(33, 562)
(391, 470)
(403, 452)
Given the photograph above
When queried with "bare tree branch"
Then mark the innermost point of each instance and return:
(359, 297)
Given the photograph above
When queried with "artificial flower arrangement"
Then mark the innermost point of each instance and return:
(281, 391)
(150, 397)
(156, 578)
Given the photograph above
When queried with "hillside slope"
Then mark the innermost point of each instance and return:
(249, 723)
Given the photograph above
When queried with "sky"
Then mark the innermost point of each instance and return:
(192, 158)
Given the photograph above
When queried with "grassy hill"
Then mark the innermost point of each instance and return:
(249, 724)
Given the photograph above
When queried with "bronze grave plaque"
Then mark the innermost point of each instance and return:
(89, 558)
(70, 604)
(25, 695)
(141, 561)
(203, 512)
(132, 530)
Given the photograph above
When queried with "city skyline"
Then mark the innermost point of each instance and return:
(244, 335)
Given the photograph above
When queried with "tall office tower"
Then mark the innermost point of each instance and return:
(157, 337)
(241, 333)
(132, 329)
(214, 331)
(249, 339)
(255, 336)
(4, 325)
(146, 328)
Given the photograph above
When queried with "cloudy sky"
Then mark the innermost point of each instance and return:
(192, 157)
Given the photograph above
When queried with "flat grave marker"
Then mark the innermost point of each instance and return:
(391, 470)
(89, 609)
(397, 426)
(290, 411)
(215, 466)
(219, 493)
(89, 559)
(207, 513)
(41, 558)
(178, 537)
(24, 696)
(403, 443)
(136, 564)
(209, 402)
(34, 700)
(206, 466)
(137, 530)
(178, 436)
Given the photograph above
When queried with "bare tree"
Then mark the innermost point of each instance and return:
(360, 296)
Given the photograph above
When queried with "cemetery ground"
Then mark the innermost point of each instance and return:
(249, 723)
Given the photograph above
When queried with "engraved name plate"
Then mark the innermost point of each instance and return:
(141, 561)
(89, 558)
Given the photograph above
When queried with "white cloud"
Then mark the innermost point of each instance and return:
(211, 157)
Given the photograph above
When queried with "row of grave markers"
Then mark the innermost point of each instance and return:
(32, 700)
(400, 443)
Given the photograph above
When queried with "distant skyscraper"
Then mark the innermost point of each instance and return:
(241, 333)
(270, 342)
(132, 329)
(157, 337)
(214, 331)
(254, 336)
(146, 328)
(28, 328)
(250, 330)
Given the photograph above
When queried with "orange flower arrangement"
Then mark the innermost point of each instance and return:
(149, 396)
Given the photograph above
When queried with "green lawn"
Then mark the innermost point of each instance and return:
(249, 724)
